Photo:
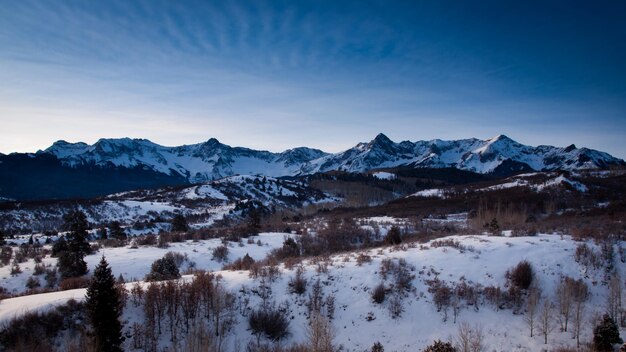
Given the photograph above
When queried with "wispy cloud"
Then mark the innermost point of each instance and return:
(281, 74)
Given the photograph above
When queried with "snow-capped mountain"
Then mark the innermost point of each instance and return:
(480, 156)
(197, 162)
(212, 159)
(79, 170)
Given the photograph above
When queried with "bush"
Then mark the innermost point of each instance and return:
(113, 242)
(439, 346)
(39, 269)
(32, 283)
(378, 347)
(220, 253)
(297, 284)
(378, 294)
(164, 269)
(521, 276)
(177, 257)
(15, 269)
(244, 263)
(270, 322)
(164, 240)
(5, 255)
(32, 331)
(363, 258)
(147, 240)
(72, 283)
(51, 278)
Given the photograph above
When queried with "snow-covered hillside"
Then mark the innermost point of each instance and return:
(206, 202)
(358, 322)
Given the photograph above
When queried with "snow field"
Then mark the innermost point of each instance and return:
(485, 261)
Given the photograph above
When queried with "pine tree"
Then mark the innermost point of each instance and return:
(104, 309)
(71, 261)
(606, 334)
(254, 222)
(393, 236)
(179, 223)
(117, 231)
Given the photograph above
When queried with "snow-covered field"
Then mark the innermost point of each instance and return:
(358, 322)
(134, 264)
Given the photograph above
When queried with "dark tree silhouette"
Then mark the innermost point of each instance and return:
(439, 346)
(179, 223)
(104, 308)
(163, 269)
(393, 237)
(254, 222)
(71, 261)
(606, 334)
(117, 231)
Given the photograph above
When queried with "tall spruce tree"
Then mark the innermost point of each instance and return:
(606, 334)
(71, 260)
(104, 309)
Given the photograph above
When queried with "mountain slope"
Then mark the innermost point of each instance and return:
(67, 170)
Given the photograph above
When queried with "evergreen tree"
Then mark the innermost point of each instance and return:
(179, 223)
(117, 231)
(393, 236)
(104, 308)
(606, 334)
(254, 222)
(71, 261)
(1, 237)
(163, 269)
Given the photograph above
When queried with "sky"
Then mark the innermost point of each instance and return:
(275, 75)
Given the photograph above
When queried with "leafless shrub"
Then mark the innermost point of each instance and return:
(243, 263)
(587, 257)
(363, 258)
(378, 293)
(73, 283)
(297, 284)
(220, 253)
(395, 306)
(442, 293)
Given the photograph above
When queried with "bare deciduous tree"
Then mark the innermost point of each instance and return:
(546, 322)
(470, 339)
(320, 334)
(534, 295)
(614, 301)
(564, 301)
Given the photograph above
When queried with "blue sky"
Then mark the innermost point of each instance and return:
(326, 74)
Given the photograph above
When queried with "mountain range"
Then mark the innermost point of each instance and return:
(67, 170)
